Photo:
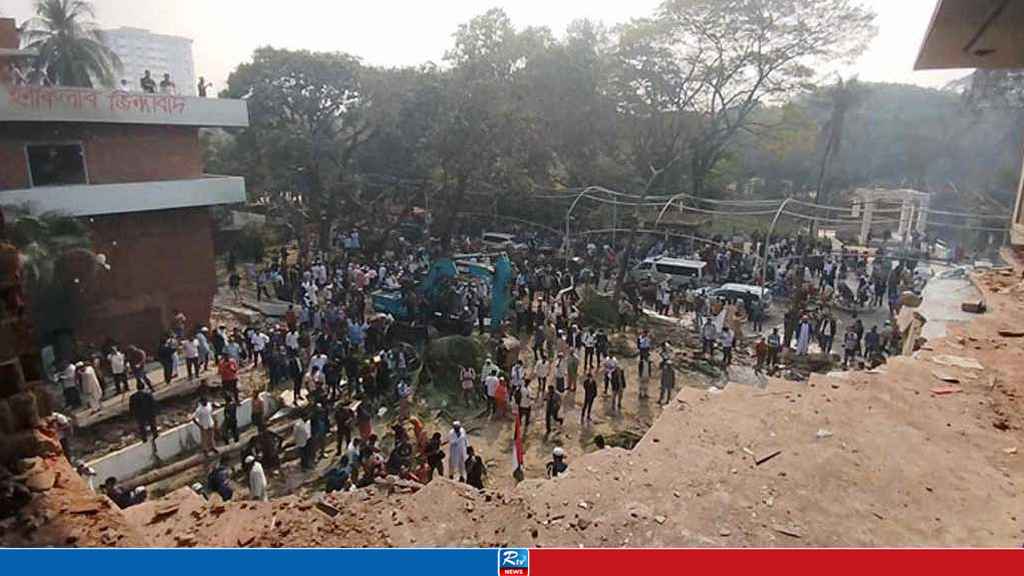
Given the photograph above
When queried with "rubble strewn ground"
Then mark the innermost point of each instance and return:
(922, 451)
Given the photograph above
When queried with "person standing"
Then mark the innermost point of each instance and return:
(142, 407)
(228, 371)
(803, 339)
(540, 371)
(190, 346)
(165, 353)
(552, 406)
(475, 469)
(727, 339)
(468, 376)
(491, 387)
(118, 370)
(668, 382)
(560, 372)
(707, 336)
(827, 333)
(69, 385)
(343, 419)
(458, 442)
(618, 388)
(589, 395)
(90, 383)
(301, 433)
(203, 419)
(230, 419)
(572, 370)
(257, 480)
(774, 346)
(589, 340)
(850, 344)
(147, 83)
(137, 362)
(760, 354)
(202, 86)
(643, 346)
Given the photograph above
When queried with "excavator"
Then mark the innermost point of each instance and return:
(434, 301)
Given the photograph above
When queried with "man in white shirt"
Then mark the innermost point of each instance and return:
(318, 361)
(259, 342)
(190, 346)
(291, 341)
(118, 369)
(203, 419)
(301, 432)
(560, 371)
(491, 385)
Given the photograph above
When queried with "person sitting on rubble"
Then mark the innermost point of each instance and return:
(122, 497)
(219, 481)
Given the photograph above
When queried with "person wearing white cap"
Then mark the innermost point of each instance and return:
(557, 467)
(257, 480)
(458, 441)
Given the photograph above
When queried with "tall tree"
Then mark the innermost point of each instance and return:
(72, 50)
(308, 116)
(844, 96)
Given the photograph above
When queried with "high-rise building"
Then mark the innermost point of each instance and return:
(141, 50)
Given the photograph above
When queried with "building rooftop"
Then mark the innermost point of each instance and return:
(66, 104)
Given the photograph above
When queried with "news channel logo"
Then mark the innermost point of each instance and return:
(513, 562)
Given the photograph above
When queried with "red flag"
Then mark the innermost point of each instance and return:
(517, 445)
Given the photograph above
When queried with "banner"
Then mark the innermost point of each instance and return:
(512, 562)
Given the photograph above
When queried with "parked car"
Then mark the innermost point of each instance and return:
(745, 292)
(679, 272)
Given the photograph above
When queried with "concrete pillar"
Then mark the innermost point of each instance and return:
(904, 219)
(922, 214)
(865, 223)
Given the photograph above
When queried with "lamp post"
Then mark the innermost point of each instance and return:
(568, 218)
(767, 239)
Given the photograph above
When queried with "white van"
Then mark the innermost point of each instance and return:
(678, 271)
(500, 241)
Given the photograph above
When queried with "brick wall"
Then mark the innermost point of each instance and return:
(160, 262)
(114, 153)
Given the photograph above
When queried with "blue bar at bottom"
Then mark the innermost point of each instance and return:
(250, 562)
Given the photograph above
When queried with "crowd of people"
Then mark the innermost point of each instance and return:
(347, 369)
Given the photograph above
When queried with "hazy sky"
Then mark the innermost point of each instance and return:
(402, 32)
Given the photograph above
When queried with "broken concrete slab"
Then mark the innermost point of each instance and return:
(973, 307)
(957, 361)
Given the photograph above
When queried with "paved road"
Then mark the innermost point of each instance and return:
(941, 302)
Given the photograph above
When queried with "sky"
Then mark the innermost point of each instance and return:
(409, 32)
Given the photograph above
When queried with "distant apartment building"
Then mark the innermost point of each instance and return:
(141, 50)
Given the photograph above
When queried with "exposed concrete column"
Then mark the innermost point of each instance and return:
(904, 219)
(922, 213)
(865, 223)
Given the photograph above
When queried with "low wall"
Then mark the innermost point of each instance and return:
(170, 445)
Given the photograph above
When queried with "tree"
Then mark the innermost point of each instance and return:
(486, 138)
(72, 50)
(58, 270)
(844, 96)
(708, 65)
(308, 116)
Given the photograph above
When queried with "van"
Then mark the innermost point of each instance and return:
(746, 292)
(500, 241)
(678, 272)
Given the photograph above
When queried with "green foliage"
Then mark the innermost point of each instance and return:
(252, 242)
(598, 310)
(71, 48)
(444, 357)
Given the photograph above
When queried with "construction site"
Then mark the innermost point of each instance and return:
(223, 326)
